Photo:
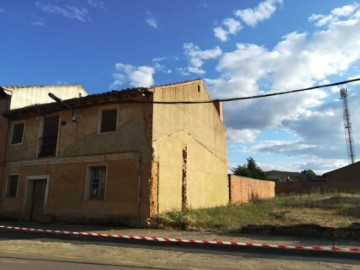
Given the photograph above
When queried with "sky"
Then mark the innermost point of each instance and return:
(238, 47)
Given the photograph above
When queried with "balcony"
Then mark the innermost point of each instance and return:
(47, 146)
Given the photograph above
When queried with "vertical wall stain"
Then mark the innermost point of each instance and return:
(184, 178)
(154, 189)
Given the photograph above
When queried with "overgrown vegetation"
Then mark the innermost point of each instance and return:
(330, 210)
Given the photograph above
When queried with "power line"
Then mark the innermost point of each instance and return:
(251, 97)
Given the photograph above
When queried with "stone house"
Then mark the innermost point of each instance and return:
(345, 179)
(118, 157)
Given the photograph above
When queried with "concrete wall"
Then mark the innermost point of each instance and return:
(23, 96)
(199, 179)
(346, 179)
(243, 189)
(80, 145)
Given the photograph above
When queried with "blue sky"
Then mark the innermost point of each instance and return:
(239, 48)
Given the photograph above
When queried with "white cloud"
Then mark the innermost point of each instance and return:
(249, 16)
(39, 23)
(335, 15)
(68, 11)
(162, 68)
(96, 4)
(141, 76)
(196, 58)
(241, 135)
(298, 60)
(151, 20)
(221, 33)
(252, 16)
(232, 28)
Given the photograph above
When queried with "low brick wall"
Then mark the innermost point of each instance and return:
(299, 187)
(243, 189)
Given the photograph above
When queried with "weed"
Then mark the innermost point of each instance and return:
(330, 209)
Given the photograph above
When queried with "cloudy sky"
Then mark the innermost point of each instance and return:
(239, 48)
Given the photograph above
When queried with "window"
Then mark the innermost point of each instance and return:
(108, 120)
(18, 132)
(96, 183)
(12, 186)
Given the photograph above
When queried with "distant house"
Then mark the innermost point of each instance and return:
(118, 157)
(284, 176)
(345, 179)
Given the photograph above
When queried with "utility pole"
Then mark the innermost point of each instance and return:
(347, 126)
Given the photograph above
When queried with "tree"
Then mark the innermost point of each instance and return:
(309, 174)
(250, 169)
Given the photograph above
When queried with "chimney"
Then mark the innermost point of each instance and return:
(218, 107)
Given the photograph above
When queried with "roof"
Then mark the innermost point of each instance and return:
(38, 86)
(125, 95)
(343, 168)
(74, 103)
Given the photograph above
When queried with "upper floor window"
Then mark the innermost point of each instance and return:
(18, 133)
(108, 120)
(96, 183)
(12, 186)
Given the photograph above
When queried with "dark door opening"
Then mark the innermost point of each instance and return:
(38, 200)
(48, 141)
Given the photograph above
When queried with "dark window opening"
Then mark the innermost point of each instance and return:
(18, 132)
(108, 120)
(12, 186)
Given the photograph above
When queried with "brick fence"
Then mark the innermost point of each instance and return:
(243, 189)
(299, 187)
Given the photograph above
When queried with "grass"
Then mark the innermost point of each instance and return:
(329, 210)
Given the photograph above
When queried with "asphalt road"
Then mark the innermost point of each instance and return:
(31, 251)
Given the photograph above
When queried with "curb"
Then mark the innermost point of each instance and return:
(184, 241)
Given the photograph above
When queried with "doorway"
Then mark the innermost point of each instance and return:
(37, 200)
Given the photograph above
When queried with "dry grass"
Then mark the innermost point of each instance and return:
(330, 210)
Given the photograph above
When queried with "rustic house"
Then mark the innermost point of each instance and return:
(118, 157)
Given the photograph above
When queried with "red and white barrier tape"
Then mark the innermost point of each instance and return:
(175, 240)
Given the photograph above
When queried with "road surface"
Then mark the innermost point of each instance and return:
(47, 253)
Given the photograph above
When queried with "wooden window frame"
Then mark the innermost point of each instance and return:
(89, 183)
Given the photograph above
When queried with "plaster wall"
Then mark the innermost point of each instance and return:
(23, 96)
(200, 129)
(66, 189)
